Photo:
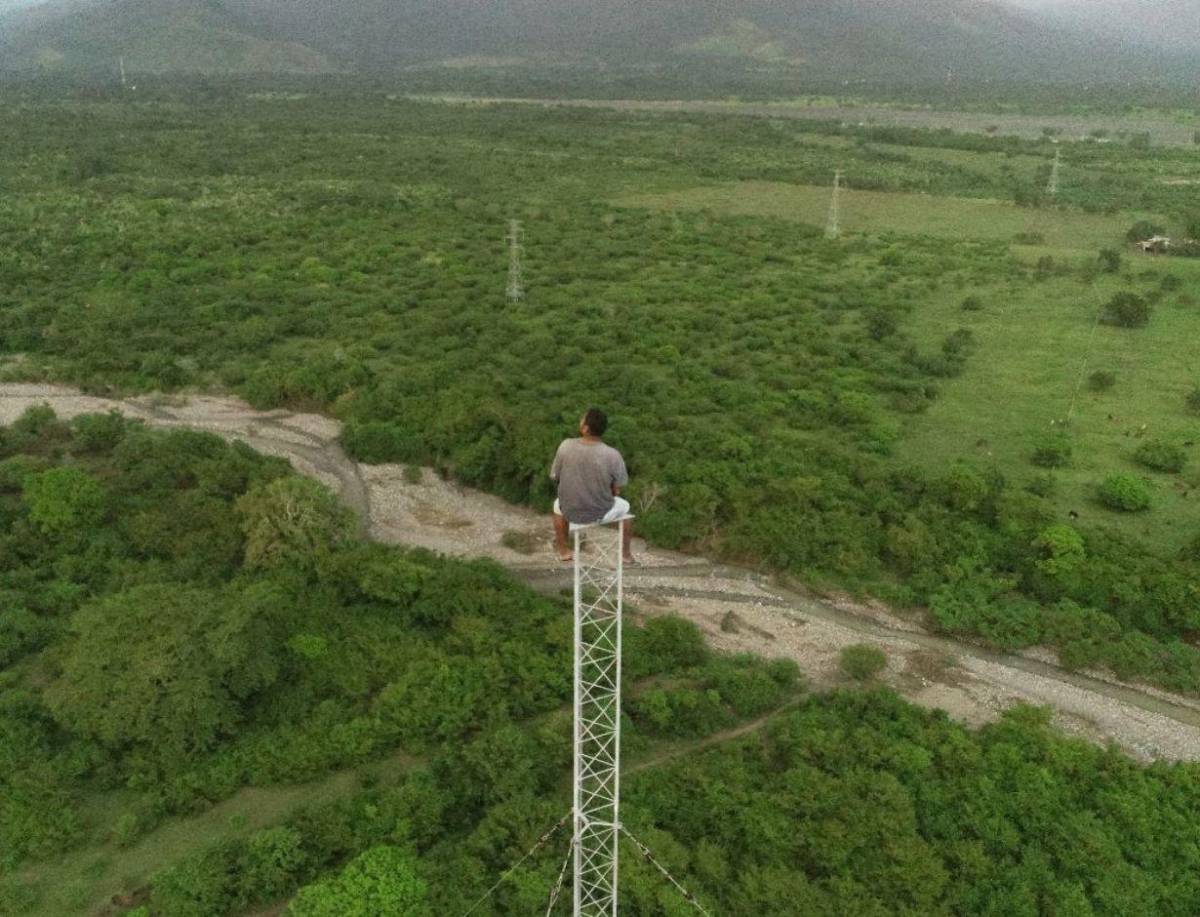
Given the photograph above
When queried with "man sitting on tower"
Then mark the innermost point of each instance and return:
(589, 474)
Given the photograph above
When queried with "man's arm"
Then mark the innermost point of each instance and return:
(620, 475)
(556, 465)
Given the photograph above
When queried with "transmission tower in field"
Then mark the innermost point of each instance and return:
(516, 282)
(124, 81)
(833, 228)
(599, 582)
(1052, 186)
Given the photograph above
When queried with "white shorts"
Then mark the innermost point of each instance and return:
(620, 508)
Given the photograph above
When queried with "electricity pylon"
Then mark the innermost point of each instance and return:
(599, 581)
(833, 228)
(1052, 186)
(124, 81)
(516, 283)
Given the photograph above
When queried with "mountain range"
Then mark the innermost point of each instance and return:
(843, 39)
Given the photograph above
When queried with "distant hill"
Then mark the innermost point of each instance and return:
(913, 40)
(155, 36)
(847, 37)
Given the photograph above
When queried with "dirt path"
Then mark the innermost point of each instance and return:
(738, 610)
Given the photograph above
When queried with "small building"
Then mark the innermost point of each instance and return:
(1158, 245)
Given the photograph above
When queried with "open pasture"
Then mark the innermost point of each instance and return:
(878, 213)
(1029, 378)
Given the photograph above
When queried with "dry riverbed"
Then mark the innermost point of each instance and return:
(738, 610)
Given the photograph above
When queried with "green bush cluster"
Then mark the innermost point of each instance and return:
(862, 662)
(1053, 451)
(1125, 493)
(861, 804)
(216, 624)
(1127, 310)
(1143, 230)
(1159, 455)
(1193, 401)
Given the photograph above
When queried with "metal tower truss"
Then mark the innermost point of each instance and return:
(598, 605)
(1055, 170)
(516, 281)
(833, 226)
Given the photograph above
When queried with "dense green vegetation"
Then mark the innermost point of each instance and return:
(814, 406)
(183, 618)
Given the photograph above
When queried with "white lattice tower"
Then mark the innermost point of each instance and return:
(516, 283)
(833, 229)
(1052, 187)
(596, 802)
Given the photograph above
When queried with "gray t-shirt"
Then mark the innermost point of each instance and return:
(586, 473)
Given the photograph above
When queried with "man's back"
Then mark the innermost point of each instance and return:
(586, 472)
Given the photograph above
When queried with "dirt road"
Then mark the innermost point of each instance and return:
(739, 610)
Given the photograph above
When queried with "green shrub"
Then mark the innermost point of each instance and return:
(1060, 550)
(673, 643)
(1125, 493)
(269, 863)
(99, 433)
(292, 521)
(197, 886)
(380, 442)
(681, 712)
(126, 829)
(1042, 485)
(1193, 401)
(972, 304)
(14, 472)
(383, 882)
(1110, 260)
(1052, 451)
(1127, 310)
(64, 500)
(1191, 551)
(1102, 380)
(1158, 455)
(21, 632)
(1143, 230)
(862, 662)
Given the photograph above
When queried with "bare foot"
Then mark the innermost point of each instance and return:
(629, 560)
(565, 556)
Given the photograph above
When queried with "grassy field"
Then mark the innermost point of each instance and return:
(86, 880)
(876, 213)
(1036, 349)
(1037, 342)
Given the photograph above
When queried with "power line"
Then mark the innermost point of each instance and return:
(562, 875)
(541, 842)
(649, 858)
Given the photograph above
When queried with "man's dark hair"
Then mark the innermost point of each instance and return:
(596, 420)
